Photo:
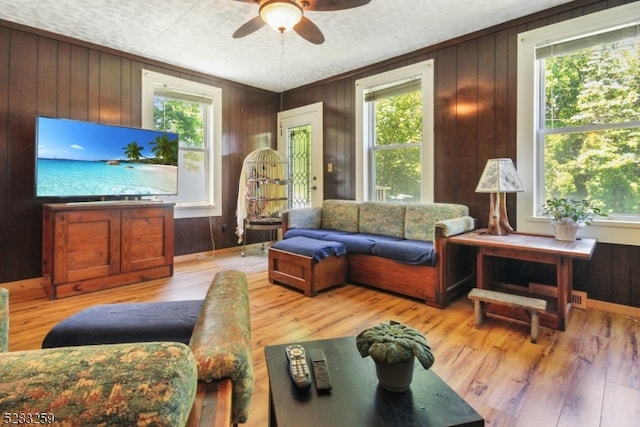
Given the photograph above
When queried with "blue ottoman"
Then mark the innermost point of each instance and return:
(126, 323)
(307, 264)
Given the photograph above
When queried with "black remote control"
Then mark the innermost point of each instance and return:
(298, 367)
(320, 370)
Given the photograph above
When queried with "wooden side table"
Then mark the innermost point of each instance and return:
(532, 248)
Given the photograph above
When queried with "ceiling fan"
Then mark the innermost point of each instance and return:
(283, 15)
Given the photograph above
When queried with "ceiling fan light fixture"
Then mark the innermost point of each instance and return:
(281, 15)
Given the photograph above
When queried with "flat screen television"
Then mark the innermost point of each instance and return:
(79, 159)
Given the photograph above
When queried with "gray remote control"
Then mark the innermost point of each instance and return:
(298, 367)
(320, 370)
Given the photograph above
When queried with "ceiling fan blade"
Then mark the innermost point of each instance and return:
(327, 5)
(248, 1)
(249, 27)
(309, 31)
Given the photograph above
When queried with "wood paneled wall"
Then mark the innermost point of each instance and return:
(475, 119)
(44, 74)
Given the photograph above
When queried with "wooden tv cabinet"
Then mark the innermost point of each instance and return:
(92, 246)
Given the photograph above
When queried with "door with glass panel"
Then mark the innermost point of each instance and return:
(300, 140)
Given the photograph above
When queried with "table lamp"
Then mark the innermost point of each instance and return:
(499, 178)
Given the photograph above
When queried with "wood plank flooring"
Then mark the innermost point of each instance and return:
(586, 376)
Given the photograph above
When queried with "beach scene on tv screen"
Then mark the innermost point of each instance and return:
(77, 158)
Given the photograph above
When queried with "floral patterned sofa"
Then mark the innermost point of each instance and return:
(150, 383)
(399, 247)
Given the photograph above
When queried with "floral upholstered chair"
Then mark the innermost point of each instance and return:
(146, 383)
(113, 384)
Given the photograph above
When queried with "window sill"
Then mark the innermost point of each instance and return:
(196, 211)
(604, 230)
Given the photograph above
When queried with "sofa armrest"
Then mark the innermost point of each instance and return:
(455, 263)
(150, 383)
(301, 218)
(453, 226)
(221, 339)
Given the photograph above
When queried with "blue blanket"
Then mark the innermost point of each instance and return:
(415, 252)
(313, 248)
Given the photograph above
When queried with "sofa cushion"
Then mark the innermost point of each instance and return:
(387, 219)
(126, 322)
(305, 218)
(340, 215)
(420, 218)
(416, 252)
(134, 384)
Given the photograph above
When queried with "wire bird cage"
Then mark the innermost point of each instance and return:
(266, 184)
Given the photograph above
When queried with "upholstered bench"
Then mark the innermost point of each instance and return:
(307, 264)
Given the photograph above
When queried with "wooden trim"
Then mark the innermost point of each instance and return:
(36, 282)
(610, 307)
(213, 404)
(196, 256)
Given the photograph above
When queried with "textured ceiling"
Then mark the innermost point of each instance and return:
(196, 34)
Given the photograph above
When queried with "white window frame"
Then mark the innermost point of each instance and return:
(213, 173)
(529, 221)
(425, 70)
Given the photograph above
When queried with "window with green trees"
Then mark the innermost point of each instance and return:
(188, 117)
(588, 131)
(394, 134)
(395, 139)
(193, 110)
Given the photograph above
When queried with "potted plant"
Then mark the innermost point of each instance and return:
(393, 347)
(569, 215)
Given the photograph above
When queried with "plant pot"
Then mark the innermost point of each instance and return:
(395, 377)
(566, 229)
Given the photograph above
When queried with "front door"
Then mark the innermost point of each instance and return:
(300, 140)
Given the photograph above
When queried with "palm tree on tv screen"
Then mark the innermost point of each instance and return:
(133, 151)
(165, 150)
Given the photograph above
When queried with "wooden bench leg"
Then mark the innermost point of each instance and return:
(535, 325)
(478, 312)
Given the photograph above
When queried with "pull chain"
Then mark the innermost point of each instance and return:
(281, 67)
(281, 75)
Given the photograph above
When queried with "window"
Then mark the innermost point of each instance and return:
(193, 110)
(394, 133)
(579, 118)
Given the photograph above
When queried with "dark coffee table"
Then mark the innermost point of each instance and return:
(356, 399)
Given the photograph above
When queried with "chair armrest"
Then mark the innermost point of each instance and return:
(111, 384)
(221, 339)
(4, 320)
(213, 404)
(453, 226)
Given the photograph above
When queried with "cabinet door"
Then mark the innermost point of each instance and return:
(147, 238)
(87, 245)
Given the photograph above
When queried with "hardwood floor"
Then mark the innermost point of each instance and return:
(588, 375)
